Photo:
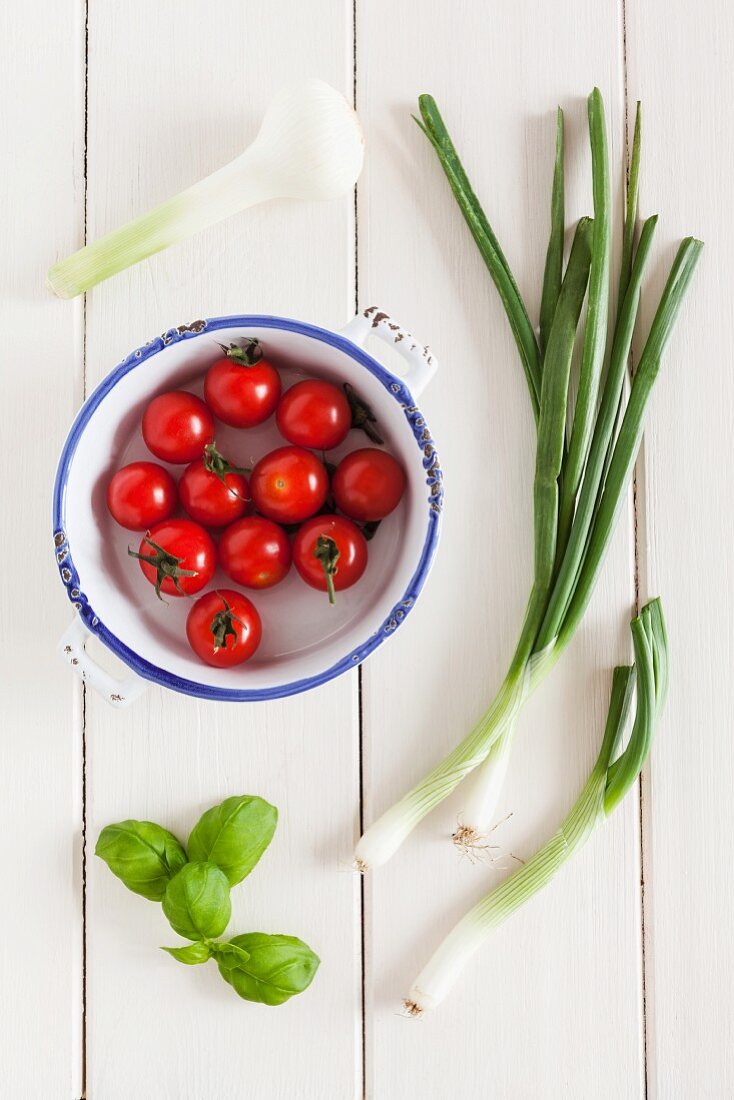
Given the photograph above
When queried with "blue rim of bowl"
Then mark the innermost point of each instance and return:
(434, 482)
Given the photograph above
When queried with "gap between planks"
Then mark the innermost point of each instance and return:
(360, 719)
(360, 707)
(638, 501)
(85, 209)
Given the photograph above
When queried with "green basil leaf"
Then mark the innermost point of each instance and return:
(229, 955)
(277, 969)
(197, 901)
(234, 835)
(142, 854)
(192, 953)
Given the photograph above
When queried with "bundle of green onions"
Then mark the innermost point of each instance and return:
(610, 779)
(581, 475)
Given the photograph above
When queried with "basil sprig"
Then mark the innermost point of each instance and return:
(194, 889)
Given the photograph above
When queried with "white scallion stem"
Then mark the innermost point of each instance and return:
(385, 836)
(610, 779)
(310, 146)
(483, 789)
(437, 978)
(227, 191)
(484, 785)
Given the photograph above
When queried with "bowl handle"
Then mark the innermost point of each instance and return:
(118, 693)
(421, 361)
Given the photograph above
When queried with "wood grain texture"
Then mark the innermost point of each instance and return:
(175, 91)
(41, 212)
(686, 549)
(552, 1007)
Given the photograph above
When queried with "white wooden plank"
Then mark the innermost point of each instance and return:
(176, 90)
(553, 1005)
(684, 79)
(41, 211)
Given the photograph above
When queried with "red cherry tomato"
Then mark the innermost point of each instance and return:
(140, 495)
(242, 388)
(289, 485)
(255, 552)
(330, 553)
(314, 414)
(177, 426)
(212, 491)
(223, 628)
(177, 556)
(368, 484)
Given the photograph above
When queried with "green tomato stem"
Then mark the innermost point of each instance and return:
(328, 555)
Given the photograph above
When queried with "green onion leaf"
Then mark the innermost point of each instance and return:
(630, 433)
(630, 219)
(600, 445)
(595, 335)
(553, 274)
(435, 130)
(554, 399)
(624, 771)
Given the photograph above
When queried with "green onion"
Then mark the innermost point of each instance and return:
(609, 781)
(630, 219)
(568, 558)
(595, 335)
(309, 146)
(628, 242)
(549, 455)
(553, 403)
(553, 275)
(630, 433)
(600, 446)
(435, 130)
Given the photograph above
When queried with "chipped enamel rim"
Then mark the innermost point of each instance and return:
(74, 585)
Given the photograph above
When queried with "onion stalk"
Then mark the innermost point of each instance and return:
(595, 332)
(309, 146)
(553, 275)
(482, 791)
(609, 781)
(570, 539)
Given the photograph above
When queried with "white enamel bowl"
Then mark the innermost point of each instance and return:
(305, 641)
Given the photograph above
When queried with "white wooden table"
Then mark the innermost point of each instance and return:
(616, 982)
